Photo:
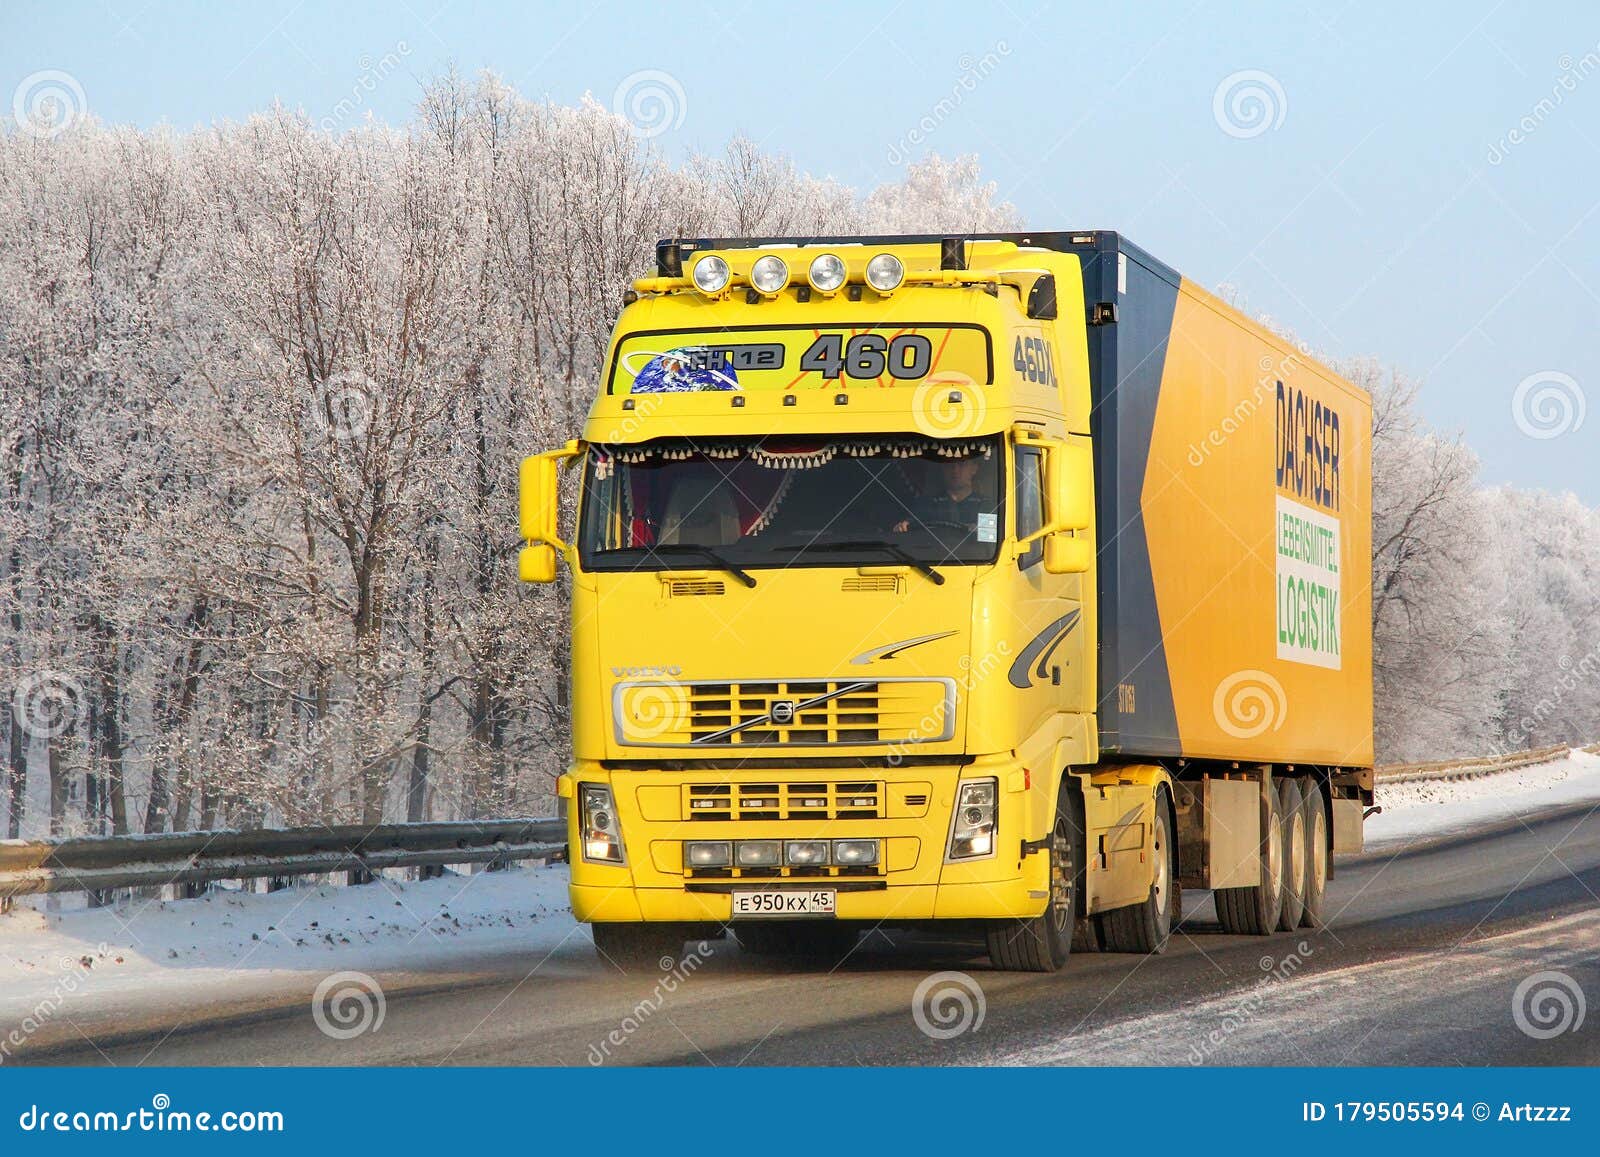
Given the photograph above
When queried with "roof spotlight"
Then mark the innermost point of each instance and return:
(711, 275)
(769, 275)
(827, 273)
(885, 273)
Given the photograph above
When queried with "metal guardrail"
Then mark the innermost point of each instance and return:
(1458, 769)
(97, 863)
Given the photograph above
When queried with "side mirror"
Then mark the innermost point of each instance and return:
(1064, 554)
(537, 563)
(538, 494)
(1069, 475)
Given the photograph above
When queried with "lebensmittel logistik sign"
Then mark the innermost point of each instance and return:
(1310, 613)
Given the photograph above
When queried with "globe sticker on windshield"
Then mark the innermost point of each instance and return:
(686, 370)
(988, 527)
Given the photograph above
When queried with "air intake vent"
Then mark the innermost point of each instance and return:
(889, 583)
(686, 588)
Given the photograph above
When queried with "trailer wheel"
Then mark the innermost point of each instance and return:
(1146, 927)
(1043, 942)
(1316, 824)
(1291, 809)
(1253, 910)
(814, 941)
(639, 949)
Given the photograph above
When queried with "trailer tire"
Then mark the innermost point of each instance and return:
(1254, 910)
(1146, 927)
(816, 942)
(638, 948)
(1042, 943)
(1316, 823)
(1291, 809)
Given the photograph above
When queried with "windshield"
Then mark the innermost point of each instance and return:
(771, 502)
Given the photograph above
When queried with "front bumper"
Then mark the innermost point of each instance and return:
(912, 821)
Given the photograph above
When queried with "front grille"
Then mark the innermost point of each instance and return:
(784, 713)
(889, 583)
(688, 588)
(844, 800)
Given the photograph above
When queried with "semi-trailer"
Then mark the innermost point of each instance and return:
(1010, 583)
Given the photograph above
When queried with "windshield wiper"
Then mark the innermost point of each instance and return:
(704, 552)
(895, 551)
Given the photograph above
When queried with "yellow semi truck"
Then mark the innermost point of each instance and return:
(1005, 583)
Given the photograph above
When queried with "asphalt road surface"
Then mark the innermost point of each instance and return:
(1469, 951)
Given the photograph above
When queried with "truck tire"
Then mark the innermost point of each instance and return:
(1291, 810)
(1253, 910)
(1042, 943)
(1146, 927)
(639, 949)
(1316, 822)
(814, 941)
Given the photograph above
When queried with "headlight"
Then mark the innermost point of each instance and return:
(972, 829)
(711, 275)
(602, 842)
(854, 853)
(885, 273)
(769, 275)
(758, 853)
(707, 854)
(827, 273)
(806, 853)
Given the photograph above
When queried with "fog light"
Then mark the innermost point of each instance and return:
(851, 853)
(769, 275)
(758, 853)
(885, 273)
(707, 853)
(827, 273)
(711, 275)
(806, 853)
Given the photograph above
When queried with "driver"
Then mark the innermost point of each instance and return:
(953, 498)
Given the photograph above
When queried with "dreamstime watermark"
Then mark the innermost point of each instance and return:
(48, 103)
(47, 703)
(652, 101)
(160, 1117)
(1572, 74)
(1548, 404)
(1250, 703)
(348, 1004)
(73, 973)
(1273, 372)
(1274, 972)
(651, 710)
(373, 73)
(1548, 1004)
(676, 972)
(947, 1005)
(936, 721)
(344, 405)
(1248, 103)
(971, 72)
(946, 406)
(1574, 674)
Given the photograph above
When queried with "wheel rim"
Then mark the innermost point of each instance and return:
(1163, 884)
(1272, 877)
(1319, 852)
(1297, 856)
(1061, 871)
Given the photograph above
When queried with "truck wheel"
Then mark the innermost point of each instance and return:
(1253, 911)
(816, 941)
(639, 949)
(1291, 810)
(1316, 824)
(1043, 942)
(1146, 927)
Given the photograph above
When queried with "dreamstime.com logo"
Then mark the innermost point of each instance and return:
(47, 104)
(1548, 404)
(1548, 1004)
(348, 1004)
(1249, 703)
(948, 408)
(948, 1004)
(1248, 103)
(651, 101)
(160, 1117)
(46, 704)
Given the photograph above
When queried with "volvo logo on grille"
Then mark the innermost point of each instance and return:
(783, 712)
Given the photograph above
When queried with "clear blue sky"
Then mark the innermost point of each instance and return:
(1383, 209)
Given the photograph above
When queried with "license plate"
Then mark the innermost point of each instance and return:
(775, 902)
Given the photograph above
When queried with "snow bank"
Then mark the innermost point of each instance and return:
(144, 947)
(1420, 810)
